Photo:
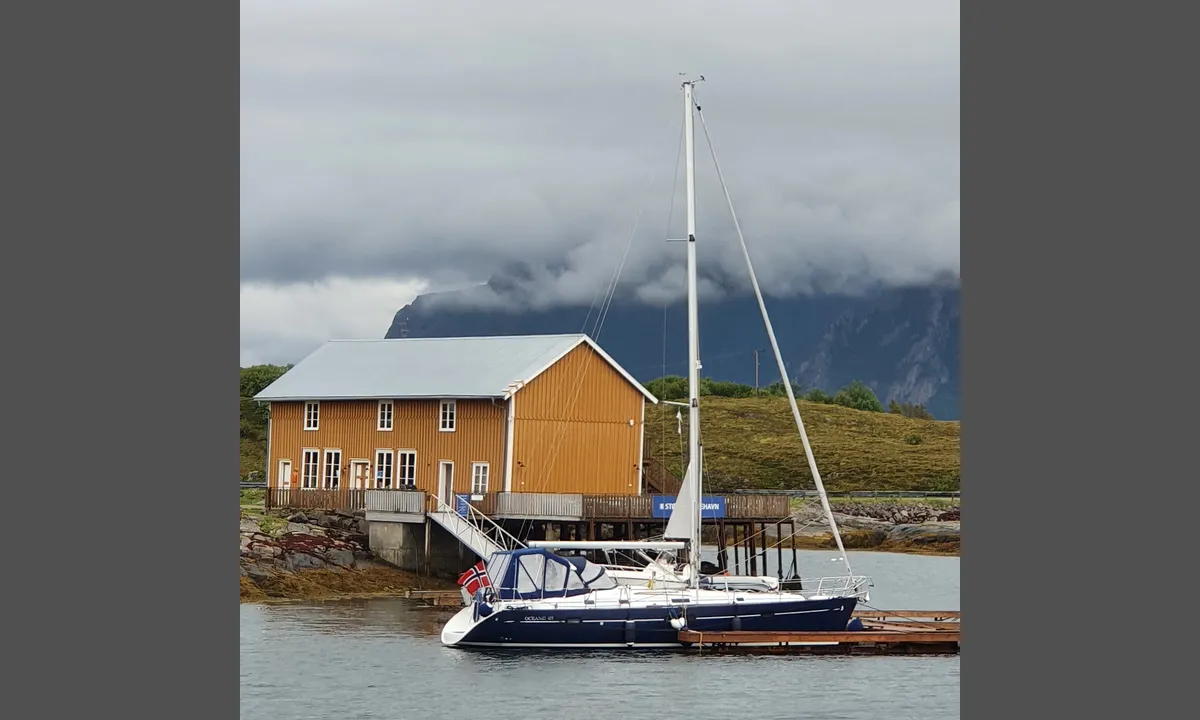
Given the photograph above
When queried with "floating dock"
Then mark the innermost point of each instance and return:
(884, 632)
(436, 598)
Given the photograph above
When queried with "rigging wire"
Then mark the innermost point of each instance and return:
(548, 463)
(812, 463)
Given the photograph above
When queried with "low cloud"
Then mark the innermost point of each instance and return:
(449, 142)
(281, 323)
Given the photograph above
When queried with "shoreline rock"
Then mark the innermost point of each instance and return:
(314, 555)
(893, 527)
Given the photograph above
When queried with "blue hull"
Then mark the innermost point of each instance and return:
(651, 626)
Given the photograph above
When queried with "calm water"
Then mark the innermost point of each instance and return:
(383, 659)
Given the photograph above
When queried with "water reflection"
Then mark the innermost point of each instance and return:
(388, 617)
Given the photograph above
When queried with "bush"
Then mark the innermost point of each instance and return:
(777, 389)
(817, 395)
(725, 388)
(670, 387)
(912, 439)
(858, 396)
(675, 387)
(942, 483)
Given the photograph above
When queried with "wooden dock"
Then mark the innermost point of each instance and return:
(436, 598)
(884, 632)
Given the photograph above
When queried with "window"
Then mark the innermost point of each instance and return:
(383, 469)
(479, 478)
(529, 573)
(311, 415)
(496, 568)
(385, 415)
(311, 469)
(447, 416)
(556, 578)
(408, 468)
(333, 469)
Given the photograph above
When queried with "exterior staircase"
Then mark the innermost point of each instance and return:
(476, 531)
(657, 479)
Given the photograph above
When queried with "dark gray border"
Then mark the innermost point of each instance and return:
(1072, 119)
(121, 273)
(122, 136)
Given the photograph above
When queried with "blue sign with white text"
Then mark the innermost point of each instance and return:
(712, 506)
(462, 504)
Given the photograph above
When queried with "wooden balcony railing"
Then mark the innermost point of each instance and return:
(760, 507)
(518, 505)
(315, 498)
(616, 507)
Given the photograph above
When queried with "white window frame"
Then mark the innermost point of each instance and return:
(475, 475)
(315, 453)
(443, 415)
(390, 465)
(386, 415)
(334, 482)
(399, 481)
(316, 415)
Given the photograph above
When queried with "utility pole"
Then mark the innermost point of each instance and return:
(756, 352)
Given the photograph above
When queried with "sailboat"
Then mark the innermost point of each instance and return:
(536, 598)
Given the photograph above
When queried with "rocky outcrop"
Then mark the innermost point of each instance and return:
(898, 513)
(885, 526)
(271, 545)
(315, 555)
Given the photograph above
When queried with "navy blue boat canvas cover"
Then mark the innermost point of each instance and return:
(534, 573)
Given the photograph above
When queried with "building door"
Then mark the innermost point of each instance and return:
(446, 482)
(360, 474)
(285, 474)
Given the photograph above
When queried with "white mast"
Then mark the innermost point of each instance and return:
(693, 332)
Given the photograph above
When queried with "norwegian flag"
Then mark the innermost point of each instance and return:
(475, 578)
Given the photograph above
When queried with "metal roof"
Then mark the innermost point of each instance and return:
(460, 367)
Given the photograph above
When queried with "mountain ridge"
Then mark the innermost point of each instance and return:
(902, 342)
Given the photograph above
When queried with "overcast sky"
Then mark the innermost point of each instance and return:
(390, 148)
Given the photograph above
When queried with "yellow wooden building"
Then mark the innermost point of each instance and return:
(478, 415)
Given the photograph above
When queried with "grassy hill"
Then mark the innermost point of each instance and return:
(750, 442)
(753, 443)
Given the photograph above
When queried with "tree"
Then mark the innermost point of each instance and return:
(909, 410)
(725, 388)
(668, 387)
(817, 395)
(776, 389)
(253, 381)
(254, 415)
(858, 396)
